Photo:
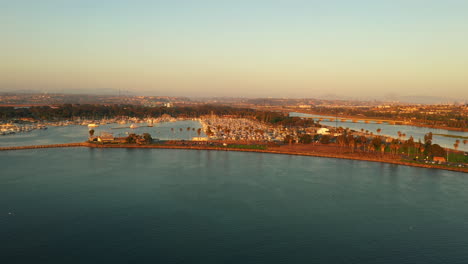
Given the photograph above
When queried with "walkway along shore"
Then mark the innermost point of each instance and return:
(270, 150)
(66, 145)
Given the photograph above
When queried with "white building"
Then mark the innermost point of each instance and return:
(323, 131)
(200, 139)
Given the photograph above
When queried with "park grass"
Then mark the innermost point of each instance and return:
(238, 146)
(457, 157)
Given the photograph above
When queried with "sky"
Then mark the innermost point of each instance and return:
(283, 48)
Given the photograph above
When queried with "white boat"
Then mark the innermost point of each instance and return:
(132, 126)
(92, 125)
(151, 122)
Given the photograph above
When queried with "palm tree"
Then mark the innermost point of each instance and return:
(341, 140)
(410, 143)
(455, 146)
(382, 148)
(394, 146)
(363, 141)
(428, 137)
(352, 143)
(397, 148)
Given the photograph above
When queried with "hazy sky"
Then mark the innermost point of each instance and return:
(241, 48)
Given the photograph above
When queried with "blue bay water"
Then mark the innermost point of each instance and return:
(85, 205)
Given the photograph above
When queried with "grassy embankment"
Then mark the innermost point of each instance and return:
(412, 153)
(239, 146)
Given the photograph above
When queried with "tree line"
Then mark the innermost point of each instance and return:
(99, 111)
(455, 118)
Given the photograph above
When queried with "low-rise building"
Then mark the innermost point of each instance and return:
(323, 131)
(105, 138)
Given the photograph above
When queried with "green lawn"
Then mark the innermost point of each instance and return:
(247, 146)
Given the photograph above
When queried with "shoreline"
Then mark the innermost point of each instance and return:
(456, 129)
(375, 158)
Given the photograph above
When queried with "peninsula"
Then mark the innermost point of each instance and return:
(317, 150)
(217, 127)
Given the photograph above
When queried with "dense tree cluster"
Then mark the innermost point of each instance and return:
(139, 139)
(88, 111)
(377, 144)
(69, 111)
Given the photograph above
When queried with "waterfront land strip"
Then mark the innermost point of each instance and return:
(297, 149)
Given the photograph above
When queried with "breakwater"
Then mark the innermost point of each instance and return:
(66, 145)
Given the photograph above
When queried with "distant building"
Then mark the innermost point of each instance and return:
(323, 131)
(105, 137)
(200, 139)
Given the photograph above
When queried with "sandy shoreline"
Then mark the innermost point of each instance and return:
(374, 158)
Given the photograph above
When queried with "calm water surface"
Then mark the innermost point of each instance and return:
(74, 133)
(185, 206)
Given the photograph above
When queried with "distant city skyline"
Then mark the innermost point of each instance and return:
(237, 48)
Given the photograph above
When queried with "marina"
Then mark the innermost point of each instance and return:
(71, 133)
